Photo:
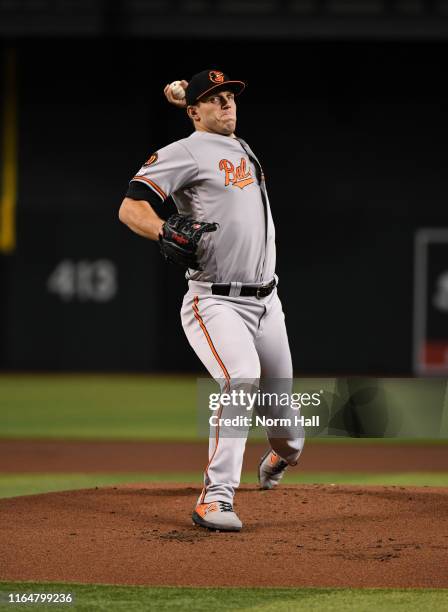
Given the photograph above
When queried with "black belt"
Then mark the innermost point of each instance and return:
(259, 291)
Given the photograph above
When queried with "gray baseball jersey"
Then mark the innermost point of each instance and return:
(216, 178)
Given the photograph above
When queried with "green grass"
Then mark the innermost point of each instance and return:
(137, 407)
(98, 407)
(12, 485)
(116, 598)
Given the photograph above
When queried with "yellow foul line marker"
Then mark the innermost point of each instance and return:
(8, 194)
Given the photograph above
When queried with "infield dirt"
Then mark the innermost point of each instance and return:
(90, 456)
(311, 535)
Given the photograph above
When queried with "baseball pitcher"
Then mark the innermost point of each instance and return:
(224, 236)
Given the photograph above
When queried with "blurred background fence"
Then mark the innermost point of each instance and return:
(346, 107)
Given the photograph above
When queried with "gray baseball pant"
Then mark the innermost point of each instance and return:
(239, 339)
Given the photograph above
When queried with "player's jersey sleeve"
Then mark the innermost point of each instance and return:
(165, 172)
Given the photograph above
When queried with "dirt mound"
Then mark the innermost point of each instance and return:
(296, 536)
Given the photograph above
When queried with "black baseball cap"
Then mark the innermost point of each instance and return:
(203, 82)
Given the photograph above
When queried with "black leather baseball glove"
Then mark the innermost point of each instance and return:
(180, 238)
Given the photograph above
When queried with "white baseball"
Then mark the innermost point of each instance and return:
(177, 90)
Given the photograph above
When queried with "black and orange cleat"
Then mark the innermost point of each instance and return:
(217, 515)
(271, 470)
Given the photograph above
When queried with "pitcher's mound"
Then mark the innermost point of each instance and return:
(310, 535)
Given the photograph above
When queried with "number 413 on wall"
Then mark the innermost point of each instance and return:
(84, 281)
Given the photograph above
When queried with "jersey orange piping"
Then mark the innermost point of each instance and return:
(152, 184)
(227, 387)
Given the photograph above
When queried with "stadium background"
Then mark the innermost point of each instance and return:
(352, 136)
(345, 106)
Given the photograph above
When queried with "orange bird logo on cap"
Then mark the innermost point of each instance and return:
(215, 76)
